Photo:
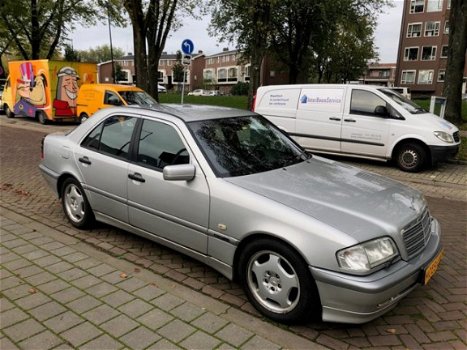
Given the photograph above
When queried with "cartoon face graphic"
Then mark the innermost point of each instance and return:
(37, 96)
(67, 89)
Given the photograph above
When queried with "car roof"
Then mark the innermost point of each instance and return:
(120, 87)
(190, 112)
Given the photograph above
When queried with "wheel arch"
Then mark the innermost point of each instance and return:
(61, 180)
(255, 236)
(403, 142)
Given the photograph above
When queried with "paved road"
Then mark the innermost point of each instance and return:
(431, 317)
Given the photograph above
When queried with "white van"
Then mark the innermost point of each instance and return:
(359, 121)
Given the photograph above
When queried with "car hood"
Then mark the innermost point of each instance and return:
(359, 203)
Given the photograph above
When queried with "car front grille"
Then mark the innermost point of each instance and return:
(417, 234)
(456, 136)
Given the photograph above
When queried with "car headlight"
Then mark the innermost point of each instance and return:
(444, 136)
(365, 256)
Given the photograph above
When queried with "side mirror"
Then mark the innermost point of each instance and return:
(181, 172)
(382, 111)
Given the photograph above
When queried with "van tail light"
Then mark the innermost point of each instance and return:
(253, 104)
(42, 148)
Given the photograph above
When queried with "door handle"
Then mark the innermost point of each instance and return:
(350, 120)
(85, 160)
(335, 118)
(136, 177)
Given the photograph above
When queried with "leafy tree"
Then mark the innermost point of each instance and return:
(71, 54)
(240, 89)
(345, 27)
(248, 23)
(456, 60)
(101, 53)
(38, 28)
(119, 73)
(152, 21)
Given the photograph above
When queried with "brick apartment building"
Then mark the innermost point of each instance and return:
(423, 44)
(380, 74)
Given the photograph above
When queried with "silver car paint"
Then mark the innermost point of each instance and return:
(303, 213)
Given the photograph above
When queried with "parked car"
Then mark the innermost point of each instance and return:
(213, 93)
(161, 89)
(198, 92)
(304, 235)
(93, 97)
(359, 121)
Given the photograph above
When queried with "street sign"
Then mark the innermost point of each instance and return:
(187, 46)
(186, 59)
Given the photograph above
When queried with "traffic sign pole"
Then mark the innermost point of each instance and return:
(187, 49)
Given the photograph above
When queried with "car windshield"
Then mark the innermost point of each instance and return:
(404, 102)
(245, 145)
(139, 98)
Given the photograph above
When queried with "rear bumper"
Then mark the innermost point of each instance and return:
(443, 153)
(50, 177)
(360, 299)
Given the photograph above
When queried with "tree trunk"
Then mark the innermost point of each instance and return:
(135, 11)
(456, 60)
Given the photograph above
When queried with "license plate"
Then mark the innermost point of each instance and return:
(432, 267)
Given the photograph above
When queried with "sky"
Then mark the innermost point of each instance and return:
(386, 36)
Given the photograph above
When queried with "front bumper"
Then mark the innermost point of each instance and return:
(442, 153)
(360, 299)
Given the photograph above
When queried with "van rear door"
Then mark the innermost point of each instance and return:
(319, 118)
(279, 105)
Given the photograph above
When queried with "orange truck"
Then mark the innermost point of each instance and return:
(44, 89)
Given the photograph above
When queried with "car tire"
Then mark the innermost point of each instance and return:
(8, 112)
(75, 204)
(83, 117)
(42, 117)
(277, 282)
(411, 157)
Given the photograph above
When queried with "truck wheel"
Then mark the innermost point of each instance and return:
(42, 117)
(83, 117)
(411, 157)
(8, 112)
(75, 204)
(277, 282)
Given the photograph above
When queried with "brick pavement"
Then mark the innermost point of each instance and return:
(60, 293)
(431, 317)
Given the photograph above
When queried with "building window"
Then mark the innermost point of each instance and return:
(434, 5)
(411, 54)
(441, 75)
(408, 77)
(425, 76)
(431, 28)
(448, 6)
(444, 51)
(384, 73)
(247, 72)
(428, 53)
(222, 75)
(417, 6)
(446, 27)
(414, 30)
(232, 74)
(208, 75)
(160, 76)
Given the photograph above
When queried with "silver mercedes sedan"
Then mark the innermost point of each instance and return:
(304, 235)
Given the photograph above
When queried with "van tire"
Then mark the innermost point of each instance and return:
(8, 112)
(83, 117)
(41, 117)
(411, 157)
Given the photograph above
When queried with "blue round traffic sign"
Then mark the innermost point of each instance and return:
(187, 46)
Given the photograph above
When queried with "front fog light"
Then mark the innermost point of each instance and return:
(444, 136)
(365, 256)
